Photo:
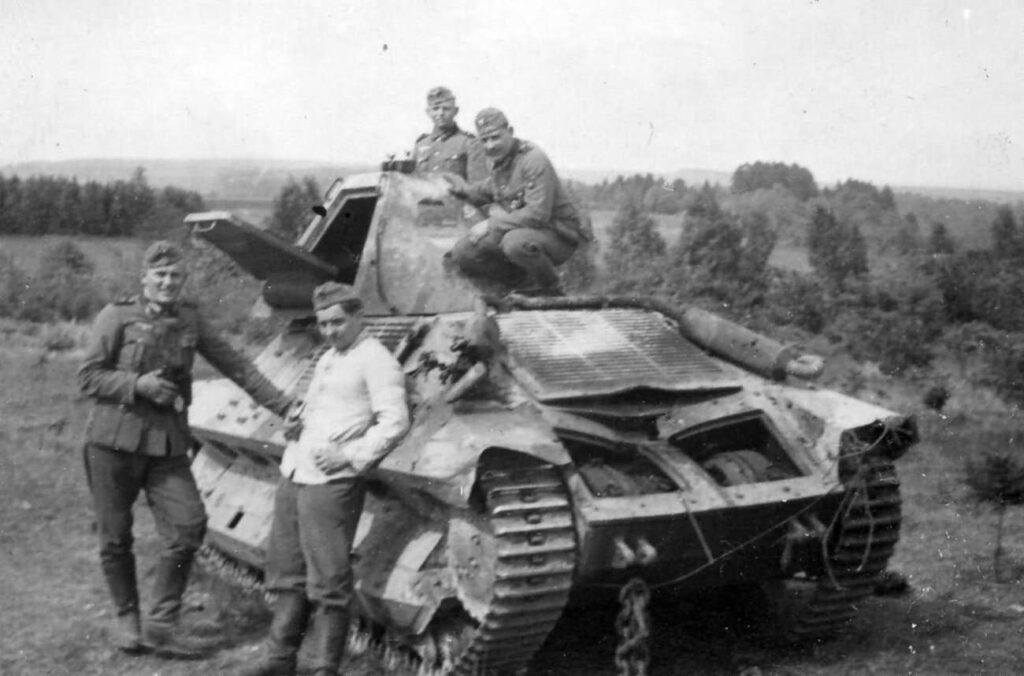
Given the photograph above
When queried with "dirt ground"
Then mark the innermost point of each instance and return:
(957, 618)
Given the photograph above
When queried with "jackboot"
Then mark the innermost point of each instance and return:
(161, 633)
(126, 633)
(169, 641)
(169, 583)
(120, 576)
(291, 616)
(330, 633)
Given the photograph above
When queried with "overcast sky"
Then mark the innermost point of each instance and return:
(928, 92)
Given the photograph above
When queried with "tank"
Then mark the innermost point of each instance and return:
(561, 447)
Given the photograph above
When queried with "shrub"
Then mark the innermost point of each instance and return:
(796, 299)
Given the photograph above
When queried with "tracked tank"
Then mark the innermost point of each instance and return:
(561, 447)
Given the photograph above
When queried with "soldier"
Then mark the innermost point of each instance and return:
(138, 370)
(531, 222)
(447, 148)
(355, 411)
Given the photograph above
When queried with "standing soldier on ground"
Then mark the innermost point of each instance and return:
(447, 148)
(138, 371)
(532, 223)
(355, 412)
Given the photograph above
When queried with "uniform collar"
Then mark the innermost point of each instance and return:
(156, 311)
(445, 134)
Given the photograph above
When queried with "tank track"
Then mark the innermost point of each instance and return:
(531, 516)
(867, 529)
(239, 575)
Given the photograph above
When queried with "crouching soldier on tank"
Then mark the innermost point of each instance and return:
(138, 370)
(531, 222)
(355, 411)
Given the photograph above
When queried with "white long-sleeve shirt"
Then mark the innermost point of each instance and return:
(356, 404)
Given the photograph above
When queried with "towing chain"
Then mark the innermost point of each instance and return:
(633, 625)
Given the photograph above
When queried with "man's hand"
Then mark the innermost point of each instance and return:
(457, 185)
(328, 461)
(479, 231)
(158, 390)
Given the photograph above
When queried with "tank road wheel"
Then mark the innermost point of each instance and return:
(512, 558)
(859, 545)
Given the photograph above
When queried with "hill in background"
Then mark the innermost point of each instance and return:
(261, 180)
(243, 179)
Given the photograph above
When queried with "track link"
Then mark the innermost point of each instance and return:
(535, 545)
(867, 529)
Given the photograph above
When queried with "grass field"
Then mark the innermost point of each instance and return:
(958, 619)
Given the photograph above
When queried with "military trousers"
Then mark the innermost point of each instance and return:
(115, 480)
(311, 537)
(532, 252)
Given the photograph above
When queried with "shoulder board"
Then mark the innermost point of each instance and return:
(467, 134)
(421, 137)
(126, 300)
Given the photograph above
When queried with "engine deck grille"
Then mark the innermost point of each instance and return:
(562, 354)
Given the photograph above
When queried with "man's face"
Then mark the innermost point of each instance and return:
(163, 284)
(443, 114)
(497, 142)
(339, 328)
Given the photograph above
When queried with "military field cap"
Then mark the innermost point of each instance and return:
(489, 119)
(162, 253)
(439, 95)
(332, 293)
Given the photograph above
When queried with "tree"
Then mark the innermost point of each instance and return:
(766, 175)
(908, 237)
(635, 258)
(1006, 238)
(292, 207)
(997, 479)
(940, 242)
(836, 251)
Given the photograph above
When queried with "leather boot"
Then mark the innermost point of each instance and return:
(170, 642)
(291, 615)
(169, 583)
(330, 633)
(120, 576)
(126, 633)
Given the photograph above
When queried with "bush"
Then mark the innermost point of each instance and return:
(13, 284)
(1005, 367)
(796, 299)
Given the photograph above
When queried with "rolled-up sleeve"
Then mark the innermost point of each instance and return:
(98, 375)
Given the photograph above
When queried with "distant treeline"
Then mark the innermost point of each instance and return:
(55, 205)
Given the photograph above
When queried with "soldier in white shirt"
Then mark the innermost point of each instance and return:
(355, 412)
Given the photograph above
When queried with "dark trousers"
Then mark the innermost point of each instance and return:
(530, 251)
(115, 480)
(310, 539)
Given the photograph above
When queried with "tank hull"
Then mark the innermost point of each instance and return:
(560, 448)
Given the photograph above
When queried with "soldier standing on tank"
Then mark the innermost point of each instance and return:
(448, 148)
(532, 223)
(138, 371)
(355, 412)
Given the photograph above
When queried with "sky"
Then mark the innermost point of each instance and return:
(926, 93)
